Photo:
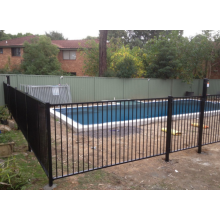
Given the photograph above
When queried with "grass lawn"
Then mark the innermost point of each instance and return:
(22, 163)
(32, 175)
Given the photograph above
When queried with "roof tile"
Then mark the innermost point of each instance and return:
(16, 41)
(62, 44)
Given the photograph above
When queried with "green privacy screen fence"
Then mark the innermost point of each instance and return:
(88, 89)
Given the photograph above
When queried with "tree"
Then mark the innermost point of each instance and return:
(140, 37)
(1, 34)
(163, 58)
(126, 68)
(4, 36)
(54, 35)
(117, 36)
(102, 52)
(175, 56)
(90, 38)
(91, 57)
(201, 54)
(40, 57)
(128, 63)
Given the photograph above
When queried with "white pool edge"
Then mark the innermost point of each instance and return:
(79, 127)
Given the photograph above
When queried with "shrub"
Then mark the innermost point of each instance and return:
(109, 73)
(3, 113)
(132, 58)
(126, 68)
(10, 175)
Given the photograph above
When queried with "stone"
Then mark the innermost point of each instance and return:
(4, 128)
(47, 187)
(12, 124)
(6, 149)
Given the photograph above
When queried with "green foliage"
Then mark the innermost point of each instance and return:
(90, 38)
(10, 69)
(54, 35)
(11, 176)
(126, 68)
(7, 66)
(91, 58)
(136, 38)
(199, 54)
(109, 73)
(40, 57)
(162, 60)
(115, 36)
(27, 165)
(16, 70)
(175, 56)
(141, 37)
(3, 113)
(125, 56)
(4, 36)
(13, 135)
(157, 54)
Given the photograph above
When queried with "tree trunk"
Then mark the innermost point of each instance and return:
(102, 52)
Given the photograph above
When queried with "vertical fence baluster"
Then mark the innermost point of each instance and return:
(201, 116)
(49, 144)
(102, 133)
(169, 121)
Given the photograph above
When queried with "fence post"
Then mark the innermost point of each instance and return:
(49, 144)
(201, 115)
(8, 80)
(169, 121)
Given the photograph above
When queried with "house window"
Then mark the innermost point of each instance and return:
(73, 73)
(16, 52)
(69, 55)
(1, 50)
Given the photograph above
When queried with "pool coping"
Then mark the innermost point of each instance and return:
(78, 127)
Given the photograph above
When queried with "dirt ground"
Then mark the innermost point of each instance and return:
(187, 170)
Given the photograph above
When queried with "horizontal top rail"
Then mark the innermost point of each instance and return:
(121, 100)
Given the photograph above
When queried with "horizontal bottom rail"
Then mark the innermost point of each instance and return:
(98, 168)
(210, 143)
(183, 149)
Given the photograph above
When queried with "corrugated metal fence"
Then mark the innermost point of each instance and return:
(88, 89)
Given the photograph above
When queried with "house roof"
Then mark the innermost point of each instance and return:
(16, 42)
(62, 44)
(75, 44)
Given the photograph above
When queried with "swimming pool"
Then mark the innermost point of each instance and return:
(125, 113)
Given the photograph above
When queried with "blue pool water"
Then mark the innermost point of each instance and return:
(132, 110)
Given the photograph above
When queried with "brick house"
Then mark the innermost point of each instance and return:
(69, 56)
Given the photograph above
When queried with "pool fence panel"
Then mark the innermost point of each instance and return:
(79, 137)
(32, 117)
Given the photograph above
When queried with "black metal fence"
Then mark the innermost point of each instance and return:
(33, 119)
(74, 138)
